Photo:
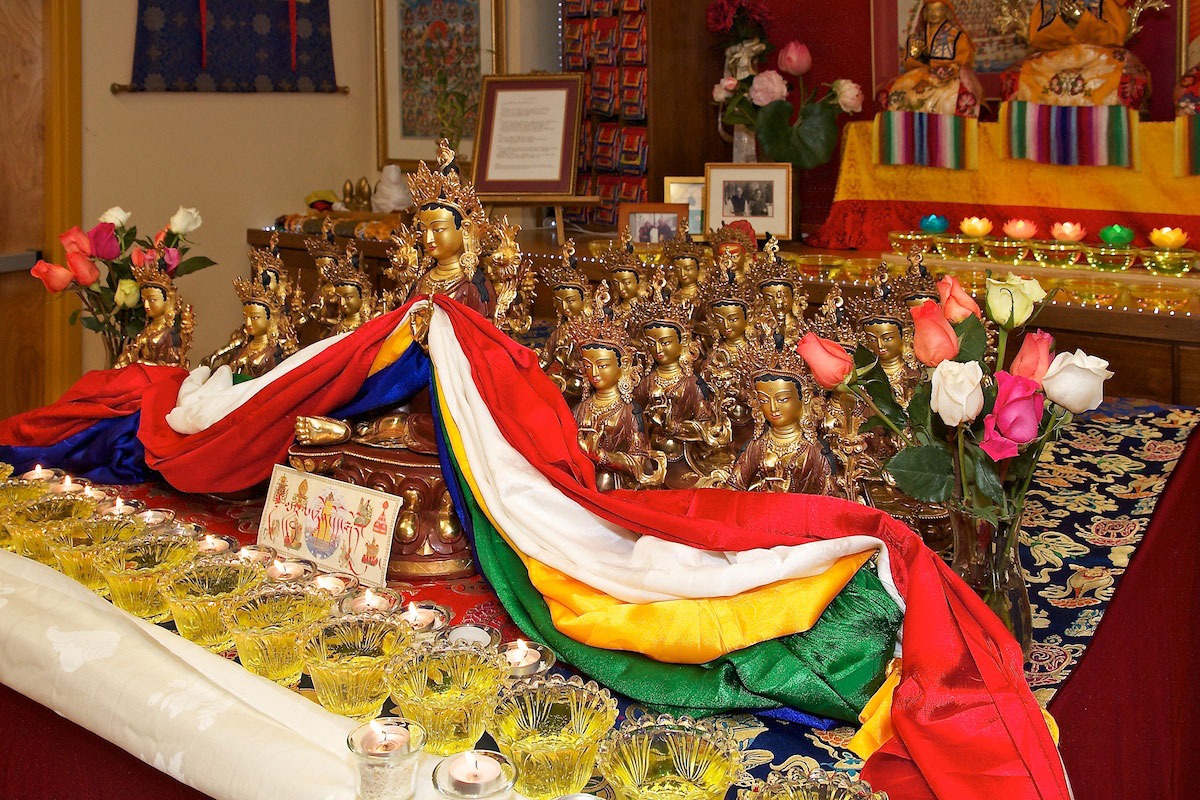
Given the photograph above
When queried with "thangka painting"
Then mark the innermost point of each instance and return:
(339, 526)
(440, 67)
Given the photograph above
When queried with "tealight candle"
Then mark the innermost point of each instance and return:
(527, 658)
(976, 227)
(211, 543)
(1168, 238)
(474, 774)
(290, 570)
(68, 486)
(40, 473)
(387, 749)
(381, 600)
(426, 618)
(1116, 235)
(121, 508)
(335, 584)
(475, 634)
(257, 552)
(156, 516)
(98, 494)
(934, 223)
(1068, 231)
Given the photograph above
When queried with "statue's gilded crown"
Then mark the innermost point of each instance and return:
(682, 246)
(916, 282)
(768, 267)
(738, 232)
(151, 273)
(565, 273)
(266, 260)
(723, 289)
(345, 270)
(763, 360)
(322, 247)
(654, 310)
(445, 187)
(622, 258)
(885, 302)
(253, 291)
(600, 330)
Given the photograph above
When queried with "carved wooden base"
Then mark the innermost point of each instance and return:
(428, 542)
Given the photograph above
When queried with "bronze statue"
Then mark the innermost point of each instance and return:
(781, 300)
(573, 298)
(167, 336)
(737, 239)
(259, 344)
(626, 274)
(728, 311)
(685, 268)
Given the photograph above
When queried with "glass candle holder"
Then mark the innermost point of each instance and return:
(1057, 254)
(335, 584)
(482, 635)
(69, 485)
(527, 659)
(6, 471)
(856, 270)
(1006, 251)
(257, 553)
(266, 625)
(285, 570)
(155, 517)
(76, 543)
(1110, 258)
(475, 775)
(40, 473)
(1093, 292)
(1173, 262)
(955, 247)
(15, 493)
(29, 524)
(447, 687)
(815, 265)
(131, 569)
(387, 750)
(904, 242)
(551, 729)
(194, 529)
(211, 544)
(197, 592)
(649, 758)
(103, 495)
(1157, 298)
(347, 659)
(428, 620)
(120, 507)
(382, 601)
(796, 783)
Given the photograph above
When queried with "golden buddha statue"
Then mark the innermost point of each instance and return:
(685, 268)
(266, 267)
(167, 335)
(626, 274)
(736, 238)
(883, 324)
(679, 419)
(609, 428)
(781, 302)
(573, 302)
(785, 455)
(259, 344)
(356, 301)
(728, 310)
(511, 274)
(326, 305)
(938, 58)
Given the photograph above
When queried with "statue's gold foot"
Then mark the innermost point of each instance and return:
(321, 431)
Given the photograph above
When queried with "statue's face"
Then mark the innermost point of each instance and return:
(780, 402)
(349, 299)
(601, 367)
(687, 271)
(665, 345)
(779, 298)
(627, 285)
(568, 303)
(730, 321)
(440, 236)
(936, 12)
(154, 300)
(256, 320)
(884, 339)
(738, 251)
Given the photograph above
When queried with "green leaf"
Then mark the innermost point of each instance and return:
(924, 473)
(986, 479)
(972, 340)
(74, 316)
(193, 264)
(92, 324)
(919, 413)
(807, 143)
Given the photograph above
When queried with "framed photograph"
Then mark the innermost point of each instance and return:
(690, 191)
(418, 100)
(528, 135)
(761, 194)
(651, 223)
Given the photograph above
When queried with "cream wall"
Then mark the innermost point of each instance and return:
(241, 159)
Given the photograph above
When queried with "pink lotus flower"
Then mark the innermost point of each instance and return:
(1068, 231)
(795, 58)
(957, 305)
(52, 276)
(75, 241)
(768, 86)
(828, 361)
(934, 340)
(1014, 419)
(849, 95)
(1033, 359)
(1020, 229)
(103, 241)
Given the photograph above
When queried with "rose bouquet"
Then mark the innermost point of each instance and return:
(972, 434)
(804, 134)
(111, 303)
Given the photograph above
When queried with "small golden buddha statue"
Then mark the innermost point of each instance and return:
(784, 455)
(626, 274)
(167, 335)
(511, 274)
(781, 300)
(259, 344)
(267, 268)
(938, 58)
(728, 309)
(685, 268)
(679, 419)
(573, 302)
(326, 305)
(738, 239)
(883, 324)
(352, 286)
(609, 428)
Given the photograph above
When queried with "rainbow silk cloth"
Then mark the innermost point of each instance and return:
(1090, 136)
(694, 600)
(915, 138)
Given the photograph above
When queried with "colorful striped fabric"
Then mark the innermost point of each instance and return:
(1090, 136)
(914, 138)
(1187, 145)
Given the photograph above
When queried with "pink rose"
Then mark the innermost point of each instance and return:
(52, 276)
(1033, 359)
(1014, 419)
(849, 95)
(83, 268)
(957, 305)
(75, 241)
(795, 58)
(768, 87)
(724, 88)
(934, 341)
(828, 361)
(103, 240)
(171, 257)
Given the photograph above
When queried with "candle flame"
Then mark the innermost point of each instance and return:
(412, 609)
(472, 761)
(118, 505)
(67, 482)
(37, 469)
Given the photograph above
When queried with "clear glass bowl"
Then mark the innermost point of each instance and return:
(76, 543)
(956, 247)
(1172, 262)
(1157, 298)
(30, 524)
(267, 623)
(347, 659)
(1110, 258)
(197, 593)
(1057, 254)
(903, 242)
(132, 569)
(650, 758)
(1006, 251)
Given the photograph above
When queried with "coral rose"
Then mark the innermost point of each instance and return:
(1033, 359)
(75, 241)
(957, 305)
(83, 269)
(52, 276)
(795, 58)
(934, 340)
(828, 361)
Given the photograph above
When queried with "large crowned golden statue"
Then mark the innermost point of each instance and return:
(167, 336)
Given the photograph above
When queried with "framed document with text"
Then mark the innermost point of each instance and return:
(528, 135)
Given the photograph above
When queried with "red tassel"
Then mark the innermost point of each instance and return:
(292, 29)
(204, 34)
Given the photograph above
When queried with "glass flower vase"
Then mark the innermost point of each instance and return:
(745, 145)
(987, 558)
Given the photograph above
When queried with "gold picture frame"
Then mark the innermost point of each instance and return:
(391, 36)
(760, 193)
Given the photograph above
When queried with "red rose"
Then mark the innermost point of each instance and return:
(934, 341)
(720, 15)
(828, 361)
(52, 276)
(76, 241)
(83, 268)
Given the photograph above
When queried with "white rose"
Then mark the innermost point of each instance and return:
(127, 293)
(1076, 381)
(184, 221)
(957, 392)
(1010, 301)
(117, 216)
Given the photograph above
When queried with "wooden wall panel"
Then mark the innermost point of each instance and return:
(1143, 368)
